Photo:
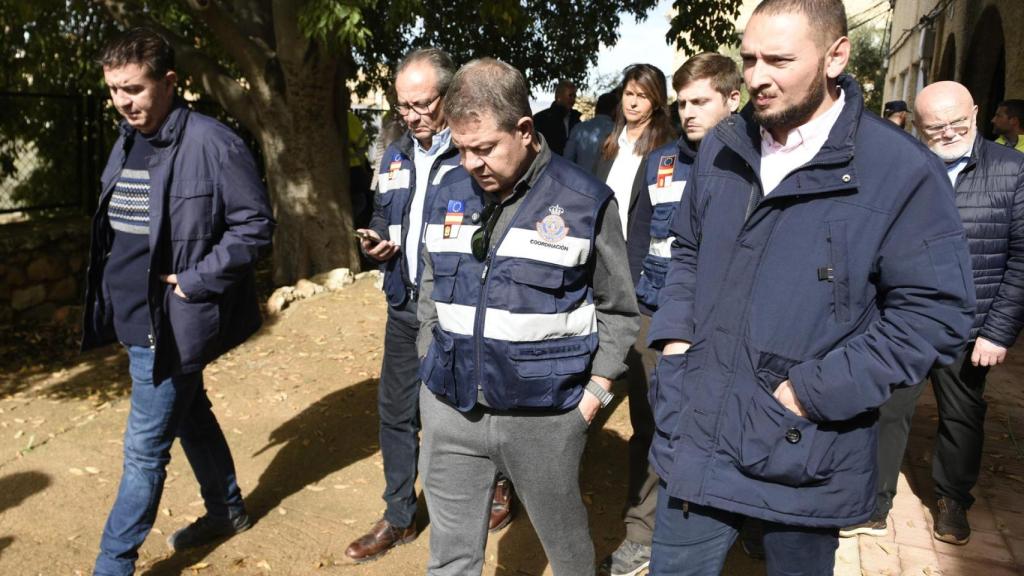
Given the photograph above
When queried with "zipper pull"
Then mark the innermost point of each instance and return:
(487, 268)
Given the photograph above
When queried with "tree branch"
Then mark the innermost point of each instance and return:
(250, 56)
(291, 42)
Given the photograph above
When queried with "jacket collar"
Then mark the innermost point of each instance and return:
(168, 131)
(407, 146)
(741, 134)
(686, 148)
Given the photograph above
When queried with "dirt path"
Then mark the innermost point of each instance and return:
(298, 404)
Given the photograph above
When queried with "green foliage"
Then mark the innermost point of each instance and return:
(336, 24)
(866, 57)
(703, 25)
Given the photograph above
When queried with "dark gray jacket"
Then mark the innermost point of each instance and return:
(990, 197)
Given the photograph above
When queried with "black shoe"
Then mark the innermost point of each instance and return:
(208, 530)
(873, 527)
(629, 559)
(951, 524)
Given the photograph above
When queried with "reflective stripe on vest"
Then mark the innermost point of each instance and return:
(661, 247)
(671, 193)
(395, 232)
(512, 327)
(389, 181)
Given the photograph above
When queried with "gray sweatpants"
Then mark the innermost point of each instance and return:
(539, 452)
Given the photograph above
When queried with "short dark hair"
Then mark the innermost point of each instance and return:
(143, 46)
(720, 70)
(1014, 109)
(438, 59)
(606, 103)
(827, 17)
(488, 86)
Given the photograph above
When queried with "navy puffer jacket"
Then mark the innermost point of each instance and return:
(990, 197)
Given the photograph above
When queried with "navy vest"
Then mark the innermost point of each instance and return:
(395, 186)
(521, 326)
(667, 173)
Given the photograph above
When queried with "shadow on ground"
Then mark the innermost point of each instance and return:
(329, 435)
(15, 489)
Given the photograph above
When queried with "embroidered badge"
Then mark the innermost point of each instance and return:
(453, 218)
(395, 166)
(665, 167)
(552, 228)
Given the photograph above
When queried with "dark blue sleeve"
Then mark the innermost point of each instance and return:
(248, 227)
(926, 292)
(379, 220)
(1006, 316)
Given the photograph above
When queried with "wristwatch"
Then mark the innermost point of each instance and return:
(604, 396)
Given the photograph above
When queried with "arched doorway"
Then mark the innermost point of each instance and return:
(985, 66)
(947, 64)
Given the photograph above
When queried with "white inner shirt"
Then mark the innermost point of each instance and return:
(802, 145)
(621, 176)
(423, 161)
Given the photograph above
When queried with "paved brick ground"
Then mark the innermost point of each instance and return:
(997, 517)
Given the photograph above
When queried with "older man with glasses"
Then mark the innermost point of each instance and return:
(989, 182)
(410, 171)
(527, 311)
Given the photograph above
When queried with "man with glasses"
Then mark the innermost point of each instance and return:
(410, 170)
(527, 311)
(989, 183)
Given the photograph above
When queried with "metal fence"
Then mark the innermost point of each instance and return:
(51, 148)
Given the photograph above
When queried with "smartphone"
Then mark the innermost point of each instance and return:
(366, 236)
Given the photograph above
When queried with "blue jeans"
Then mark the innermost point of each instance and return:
(696, 542)
(177, 406)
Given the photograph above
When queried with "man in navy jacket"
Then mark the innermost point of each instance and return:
(819, 261)
(181, 219)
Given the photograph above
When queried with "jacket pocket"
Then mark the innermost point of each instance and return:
(191, 209)
(665, 392)
(436, 370)
(838, 263)
(778, 446)
(545, 369)
(195, 326)
(538, 288)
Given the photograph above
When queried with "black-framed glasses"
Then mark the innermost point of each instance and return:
(480, 243)
(420, 108)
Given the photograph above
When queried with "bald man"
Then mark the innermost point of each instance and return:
(989, 184)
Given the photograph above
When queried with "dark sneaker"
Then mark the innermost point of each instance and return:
(208, 530)
(951, 523)
(629, 559)
(873, 527)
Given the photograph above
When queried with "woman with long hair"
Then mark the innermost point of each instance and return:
(642, 125)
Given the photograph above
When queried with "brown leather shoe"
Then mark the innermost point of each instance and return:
(501, 505)
(381, 538)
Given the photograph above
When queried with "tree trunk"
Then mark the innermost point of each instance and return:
(307, 174)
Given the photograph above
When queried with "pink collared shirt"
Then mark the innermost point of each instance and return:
(802, 144)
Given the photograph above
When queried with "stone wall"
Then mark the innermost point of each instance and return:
(42, 270)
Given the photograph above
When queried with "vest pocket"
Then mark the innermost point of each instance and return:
(661, 220)
(446, 266)
(544, 369)
(543, 283)
(436, 368)
(652, 279)
(778, 446)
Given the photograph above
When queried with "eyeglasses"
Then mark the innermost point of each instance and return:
(959, 127)
(480, 243)
(420, 108)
